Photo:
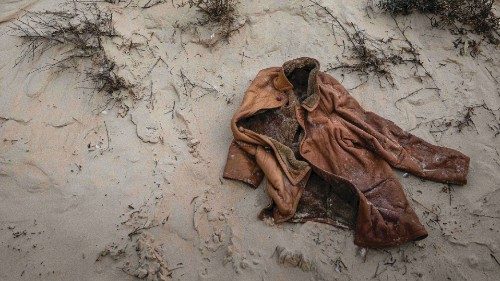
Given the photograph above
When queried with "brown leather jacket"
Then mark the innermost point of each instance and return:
(326, 159)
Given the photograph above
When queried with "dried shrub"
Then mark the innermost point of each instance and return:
(406, 7)
(220, 15)
(369, 58)
(368, 55)
(80, 32)
(217, 11)
(477, 14)
(151, 3)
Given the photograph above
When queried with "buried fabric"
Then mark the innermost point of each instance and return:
(328, 160)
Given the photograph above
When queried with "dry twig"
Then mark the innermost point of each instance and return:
(80, 32)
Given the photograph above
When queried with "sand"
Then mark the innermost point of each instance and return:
(91, 191)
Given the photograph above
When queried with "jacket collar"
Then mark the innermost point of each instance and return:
(281, 83)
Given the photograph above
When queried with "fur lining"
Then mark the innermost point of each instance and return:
(312, 98)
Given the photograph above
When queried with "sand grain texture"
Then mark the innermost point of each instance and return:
(86, 194)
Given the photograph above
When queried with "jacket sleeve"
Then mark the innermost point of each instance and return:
(242, 166)
(400, 149)
(414, 155)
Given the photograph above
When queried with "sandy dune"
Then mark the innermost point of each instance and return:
(92, 189)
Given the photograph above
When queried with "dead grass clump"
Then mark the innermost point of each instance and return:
(80, 33)
(477, 14)
(406, 7)
(367, 55)
(216, 11)
(370, 58)
(152, 3)
(105, 79)
(220, 16)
